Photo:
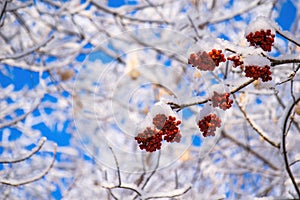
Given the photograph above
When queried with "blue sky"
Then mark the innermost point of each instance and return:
(21, 78)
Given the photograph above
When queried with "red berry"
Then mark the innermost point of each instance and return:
(170, 130)
(256, 72)
(262, 38)
(217, 56)
(221, 100)
(209, 124)
(150, 140)
(236, 60)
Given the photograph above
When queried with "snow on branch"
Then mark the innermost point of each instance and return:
(37, 177)
(169, 194)
(26, 156)
(28, 51)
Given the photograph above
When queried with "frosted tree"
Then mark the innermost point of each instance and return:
(163, 99)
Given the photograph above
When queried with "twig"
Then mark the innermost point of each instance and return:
(278, 31)
(28, 51)
(117, 165)
(36, 178)
(114, 13)
(16, 120)
(124, 187)
(194, 27)
(284, 133)
(153, 172)
(254, 126)
(3, 9)
(231, 15)
(174, 193)
(247, 148)
(24, 157)
(275, 62)
(181, 106)
(294, 162)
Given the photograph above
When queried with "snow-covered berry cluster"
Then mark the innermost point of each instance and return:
(209, 124)
(202, 61)
(150, 140)
(217, 56)
(221, 100)
(165, 128)
(262, 38)
(256, 72)
(237, 61)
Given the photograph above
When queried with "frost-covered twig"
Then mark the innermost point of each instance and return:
(250, 150)
(28, 155)
(254, 126)
(117, 165)
(123, 186)
(283, 142)
(28, 51)
(33, 179)
(231, 15)
(276, 61)
(122, 16)
(287, 35)
(153, 172)
(16, 120)
(181, 106)
(170, 194)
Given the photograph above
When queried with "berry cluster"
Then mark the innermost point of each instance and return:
(217, 56)
(209, 124)
(236, 61)
(256, 72)
(221, 100)
(262, 38)
(151, 139)
(202, 61)
(170, 130)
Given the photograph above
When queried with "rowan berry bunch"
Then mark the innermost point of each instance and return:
(262, 38)
(237, 61)
(256, 72)
(221, 100)
(209, 124)
(149, 139)
(202, 61)
(217, 56)
(171, 131)
(165, 128)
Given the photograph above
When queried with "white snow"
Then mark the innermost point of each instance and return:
(256, 60)
(260, 23)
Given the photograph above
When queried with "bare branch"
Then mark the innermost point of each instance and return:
(117, 165)
(287, 36)
(283, 142)
(3, 9)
